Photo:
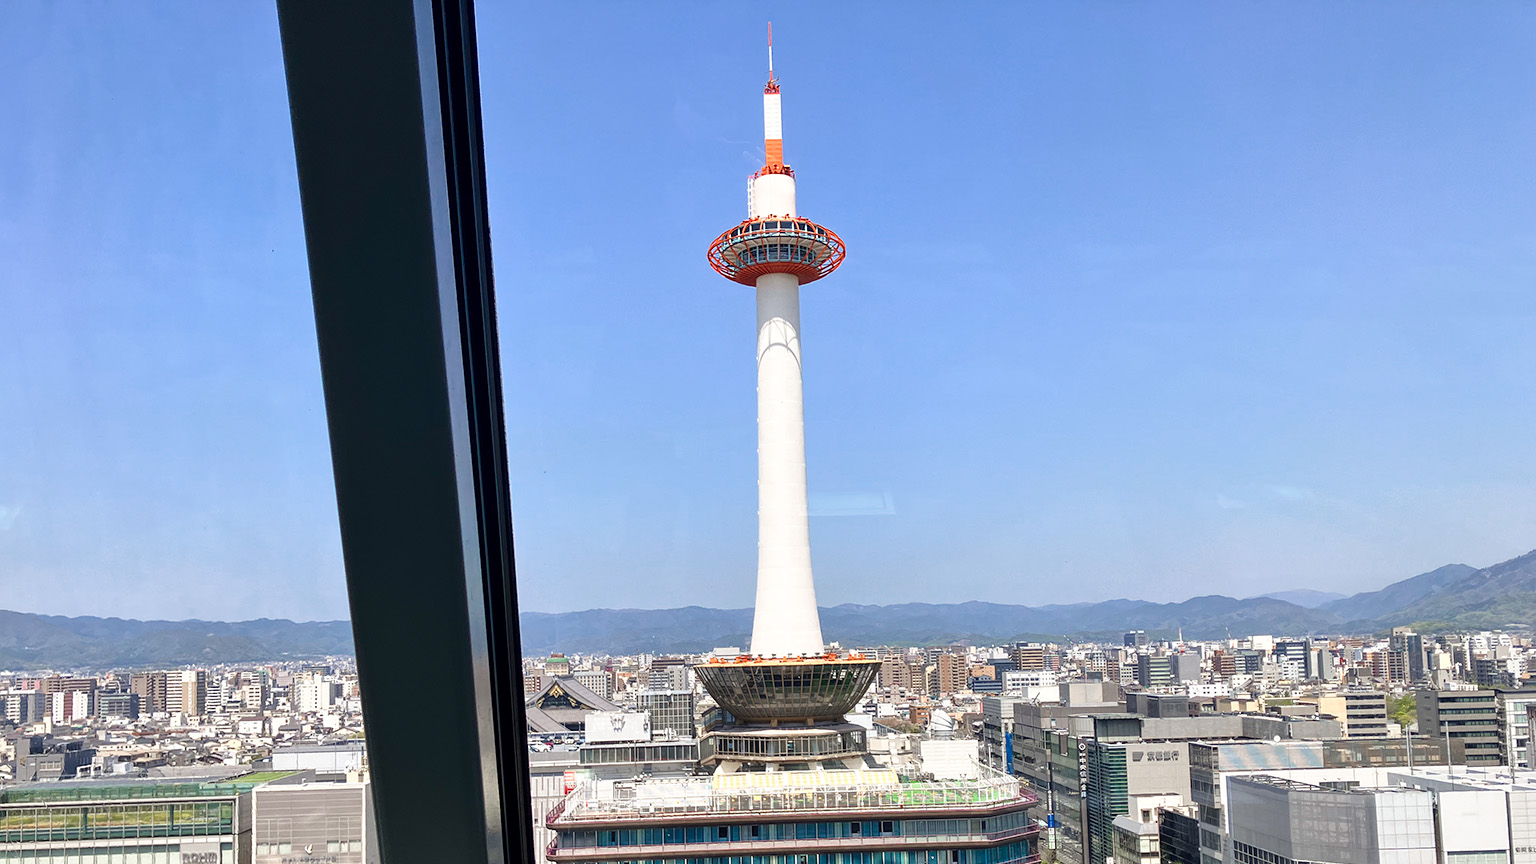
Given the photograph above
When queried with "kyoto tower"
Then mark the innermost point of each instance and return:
(775, 250)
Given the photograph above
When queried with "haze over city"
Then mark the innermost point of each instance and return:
(1151, 304)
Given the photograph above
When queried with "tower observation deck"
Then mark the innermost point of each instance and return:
(788, 676)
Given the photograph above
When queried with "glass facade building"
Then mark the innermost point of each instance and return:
(142, 822)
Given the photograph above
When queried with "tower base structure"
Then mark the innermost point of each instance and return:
(737, 746)
(786, 712)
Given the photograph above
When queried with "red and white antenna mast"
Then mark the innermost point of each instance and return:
(773, 116)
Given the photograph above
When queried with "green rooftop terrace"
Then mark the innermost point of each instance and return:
(137, 789)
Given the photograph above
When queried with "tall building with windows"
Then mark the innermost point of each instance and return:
(1510, 709)
(187, 692)
(1363, 712)
(1411, 645)
(952, 674)
(794, 780)
(1468, 716)
(22, 706)
(151, 688)
(69, 699)
(1028, 656)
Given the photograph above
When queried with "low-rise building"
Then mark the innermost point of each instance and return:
(796, 816)
(142, 821)
(325, 822)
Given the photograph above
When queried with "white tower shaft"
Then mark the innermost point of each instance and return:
(786, 621)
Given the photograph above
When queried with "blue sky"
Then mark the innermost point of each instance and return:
(1145, 301)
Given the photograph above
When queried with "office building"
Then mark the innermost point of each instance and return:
(1292, 656)
(312, 692)
(985, 684)
(68, 699)
(1157, 705)
(1468, 716)
(1119, 773)
(669, 673)
(1028, 656)
(996, 744)
(113, 704)
(899, 673)
(1277, 820)
(1510, 709)
(143, 821)
(1411, 645)
(599, 681)
(1185, 666)
(186, 692)
(1047, 755)
(1135, 842)
(672, 712)
(1138, 835)
(1154, 670)
(1215, 764)
(1432, 815)
(1136, 640)
(22, 706)
(1167, 670)
(1123, 757)
(1178, 835)
(72, 706)
(1363, 712)
(952, 674)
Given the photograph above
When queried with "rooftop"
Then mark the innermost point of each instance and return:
(783, 792)
(137, 788)
(1462, 778)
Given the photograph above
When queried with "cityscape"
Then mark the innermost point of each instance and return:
(1389, 726)
(1139, 750)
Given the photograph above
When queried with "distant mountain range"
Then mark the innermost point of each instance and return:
(1452, 597)
(55, 642)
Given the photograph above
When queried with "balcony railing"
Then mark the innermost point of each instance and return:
(662, 797)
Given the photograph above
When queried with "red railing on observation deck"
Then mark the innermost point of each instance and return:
(757, 247)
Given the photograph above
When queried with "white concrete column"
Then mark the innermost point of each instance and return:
(786, 621)
(773, 195)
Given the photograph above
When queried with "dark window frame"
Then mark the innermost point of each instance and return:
(384, 100)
